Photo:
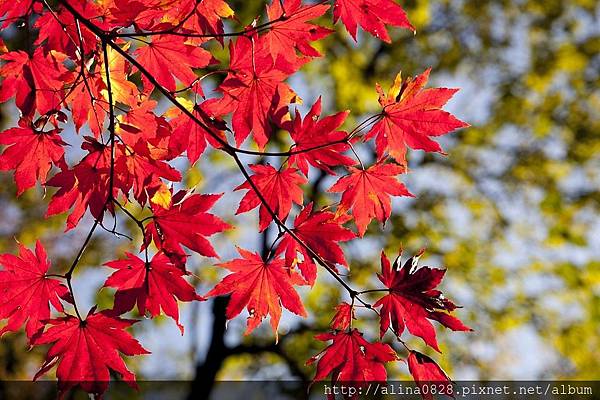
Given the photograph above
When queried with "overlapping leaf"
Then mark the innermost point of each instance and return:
(186, 222)
(279, 188)
(254, 91)
(320, 231)
(36, 81)
(317, 142)
(153, 286)
(290, 30)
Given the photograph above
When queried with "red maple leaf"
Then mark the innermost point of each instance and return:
(313, 138)
(425, 371)
(192, 137)
(31, 154)
(36, 81)
(196, 17)
(186, 222)
(291, 31)
(367, 192)
(12, 10)
(254, 91)
(57, 30)
(371, 15)
(322, 232)
(85, 108)
(85, 351)
(410, 116)
(171, 56)
(26, 292)
(262, 287)
(350, 358)
(138, 169)
(344, 314)
(279, 188)
(84, 186)
(413, 300)
(153, 285)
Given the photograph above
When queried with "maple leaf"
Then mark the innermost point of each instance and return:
(254, 91)
(26, 292)
(410, 116)
(84, 106)
(322, 232)
(367, 192)
(123, 90)
(209, 14)
(36, 82)
(425, 371)
(190, 136)
(262, 287)
(169, 56)
(85, 351)
(344, 314)
(371, 15)
(279, 188)
(57, 30)
(290, 30)
(31, 154)
(153, 285)
(197, 17)
(351, 358)
(412, 300)
(12, 10)
(140, 171)
(84, 186)
(141, 124)
(317, 135)
(186, 222)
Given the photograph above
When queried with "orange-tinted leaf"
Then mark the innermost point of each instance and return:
(291, 30)
(261, 287)
(170, 56)
(367, 193)
(344, 314)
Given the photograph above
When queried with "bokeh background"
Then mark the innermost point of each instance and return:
(512, 211)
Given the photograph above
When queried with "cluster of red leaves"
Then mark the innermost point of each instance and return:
(88, 65)
(410, 301)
